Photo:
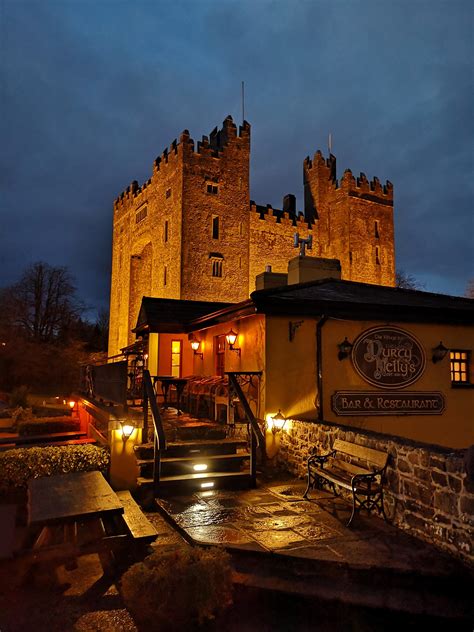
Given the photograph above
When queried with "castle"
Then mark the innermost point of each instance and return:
(191, 232)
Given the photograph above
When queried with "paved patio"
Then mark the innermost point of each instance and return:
(282, 542)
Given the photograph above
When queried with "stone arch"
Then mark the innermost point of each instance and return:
(140, 283)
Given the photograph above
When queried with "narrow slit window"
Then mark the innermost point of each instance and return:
(459, 365)
(165, 275)
(350, 256)
(377, 255)
(168, 193)
(217, 268)
(215, 227)
(165, 231)
(212, 189)
(376, 229)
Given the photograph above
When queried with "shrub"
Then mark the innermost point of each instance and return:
(19, 397)
(179, 589)
(46, 425)
(20, 414)
(19, 465)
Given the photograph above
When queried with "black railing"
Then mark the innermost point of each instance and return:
(159, 438)
(257, 438)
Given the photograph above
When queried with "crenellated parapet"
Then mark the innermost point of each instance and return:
(277, 216)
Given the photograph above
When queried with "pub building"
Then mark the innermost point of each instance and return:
(382, 367)
(382, 359)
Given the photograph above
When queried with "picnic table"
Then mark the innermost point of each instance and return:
(77, 514)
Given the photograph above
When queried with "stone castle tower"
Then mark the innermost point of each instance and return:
(191, 231)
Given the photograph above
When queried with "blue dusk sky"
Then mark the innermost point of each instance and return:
(93, 91)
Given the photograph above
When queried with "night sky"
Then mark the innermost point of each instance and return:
(92, 92)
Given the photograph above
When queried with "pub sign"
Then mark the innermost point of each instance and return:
(388, 357)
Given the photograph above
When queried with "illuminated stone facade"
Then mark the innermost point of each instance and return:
(192, 232)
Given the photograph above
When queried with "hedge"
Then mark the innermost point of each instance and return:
(19, 465)
(47, 425)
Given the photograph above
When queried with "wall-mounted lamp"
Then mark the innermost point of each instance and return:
(439, 353)
(345, 348)
(195, 346)
(127, 428)
(278, 422)
(231, 338)
(71, 404)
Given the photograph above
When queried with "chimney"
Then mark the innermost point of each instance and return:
(289, 204)
(269, 279)
(302, 269)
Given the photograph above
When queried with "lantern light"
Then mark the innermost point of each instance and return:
(278, 422)
(195, 346)
(71, 403)
(127, 429)
(231, 338)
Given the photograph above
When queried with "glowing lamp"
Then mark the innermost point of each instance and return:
(207, 485)
(127, 429)
(278, 422)
(200, 467)
(71, 403)
(195, 346)
(231, 338)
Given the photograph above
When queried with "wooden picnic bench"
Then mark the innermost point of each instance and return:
(355, 468)
(71, 515)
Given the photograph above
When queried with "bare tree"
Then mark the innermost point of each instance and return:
(43, 304)
(469, 293)
(407, 281)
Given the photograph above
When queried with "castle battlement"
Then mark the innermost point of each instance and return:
(278, 216)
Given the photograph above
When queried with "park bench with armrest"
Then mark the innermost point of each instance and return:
(355, 468)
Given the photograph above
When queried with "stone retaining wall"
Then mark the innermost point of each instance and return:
(428, 490)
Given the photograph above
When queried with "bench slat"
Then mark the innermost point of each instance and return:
(349, 467)
(376, 457)
(138, 524)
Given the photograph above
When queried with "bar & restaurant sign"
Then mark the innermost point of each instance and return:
(388, 358)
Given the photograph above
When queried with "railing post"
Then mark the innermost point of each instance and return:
(145, 415)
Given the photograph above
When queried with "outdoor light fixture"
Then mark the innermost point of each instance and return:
(200, 467)
(278, 422)
(195, 346)
(439, 353)
(231, 338)
(345, 347)
(207, 485)
(71, 403)
(127, 429)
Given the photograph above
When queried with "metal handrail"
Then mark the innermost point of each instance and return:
(252, 420)
(159, 440)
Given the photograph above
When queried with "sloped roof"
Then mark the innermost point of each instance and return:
(166, 315)
(347, 299)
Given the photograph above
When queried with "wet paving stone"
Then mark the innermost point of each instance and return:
(309, 507)
(219, 535)
(264, 524)
(192, 518)
(314, 532)
(279, 539)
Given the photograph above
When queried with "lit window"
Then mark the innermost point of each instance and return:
(165, 231)
(141, 214)
(215, 227)
(176, 358)
(459, 364)
(212, 188)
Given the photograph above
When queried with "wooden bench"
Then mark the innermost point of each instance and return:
(140, 528)
(355, 468)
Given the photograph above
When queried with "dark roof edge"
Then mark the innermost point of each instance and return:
(238, 310)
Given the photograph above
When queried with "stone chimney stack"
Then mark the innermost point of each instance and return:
(302, 269)
(269, 279)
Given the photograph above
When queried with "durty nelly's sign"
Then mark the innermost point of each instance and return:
(366, 403)
(388, 357)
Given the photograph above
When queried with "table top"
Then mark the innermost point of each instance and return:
(53, 499)
(170, 378)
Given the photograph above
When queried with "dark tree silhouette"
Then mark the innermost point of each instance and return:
(407, 281)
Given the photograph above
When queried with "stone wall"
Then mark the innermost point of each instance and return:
(428, 490)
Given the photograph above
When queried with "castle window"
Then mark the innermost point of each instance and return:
(165, 231)
(350, 256)
(212, 189)
(459, 365)
(217, 268)
(141, 214)
(377, 255)
(176, 358)
(215, 227)
(376, 230)
(165, 275)
(168, 193)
